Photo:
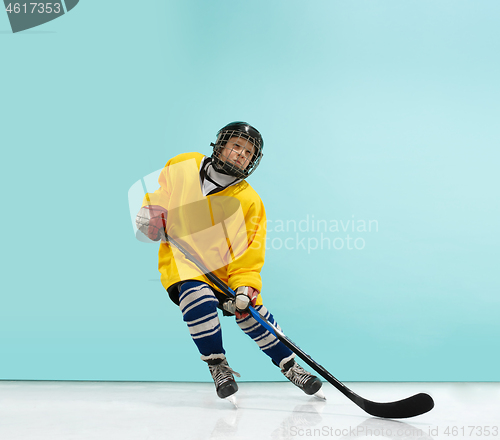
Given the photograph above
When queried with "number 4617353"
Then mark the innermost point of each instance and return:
(32, 8)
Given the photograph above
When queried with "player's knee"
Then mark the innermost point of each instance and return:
(196, 300)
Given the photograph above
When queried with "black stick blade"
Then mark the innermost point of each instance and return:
(409, 407)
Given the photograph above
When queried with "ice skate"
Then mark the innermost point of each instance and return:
(222, 374)
(308, 383)
(320, 394)
(233, 400)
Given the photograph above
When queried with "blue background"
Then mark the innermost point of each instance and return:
(383, 110)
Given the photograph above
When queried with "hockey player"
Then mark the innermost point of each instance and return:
(206, 203)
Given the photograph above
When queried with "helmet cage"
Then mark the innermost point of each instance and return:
(226, 166)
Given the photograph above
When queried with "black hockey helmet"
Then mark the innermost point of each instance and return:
(244, 131)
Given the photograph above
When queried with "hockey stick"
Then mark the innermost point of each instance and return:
(409, 407)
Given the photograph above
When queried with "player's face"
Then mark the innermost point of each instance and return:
(238, 151)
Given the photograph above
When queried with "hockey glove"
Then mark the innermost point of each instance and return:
(152, 221)
(245, 297)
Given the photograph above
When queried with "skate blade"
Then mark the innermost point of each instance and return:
(233, 400)
(319, 394)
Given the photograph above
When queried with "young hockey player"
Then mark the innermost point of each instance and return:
(205, 203)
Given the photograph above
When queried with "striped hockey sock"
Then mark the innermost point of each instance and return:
(266, 341)
(198, 305)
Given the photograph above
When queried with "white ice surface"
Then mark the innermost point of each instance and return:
(171, 411)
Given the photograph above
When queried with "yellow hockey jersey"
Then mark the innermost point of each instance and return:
(226, 231)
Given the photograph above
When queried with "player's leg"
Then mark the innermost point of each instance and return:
(280, 354)
(198, 305)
